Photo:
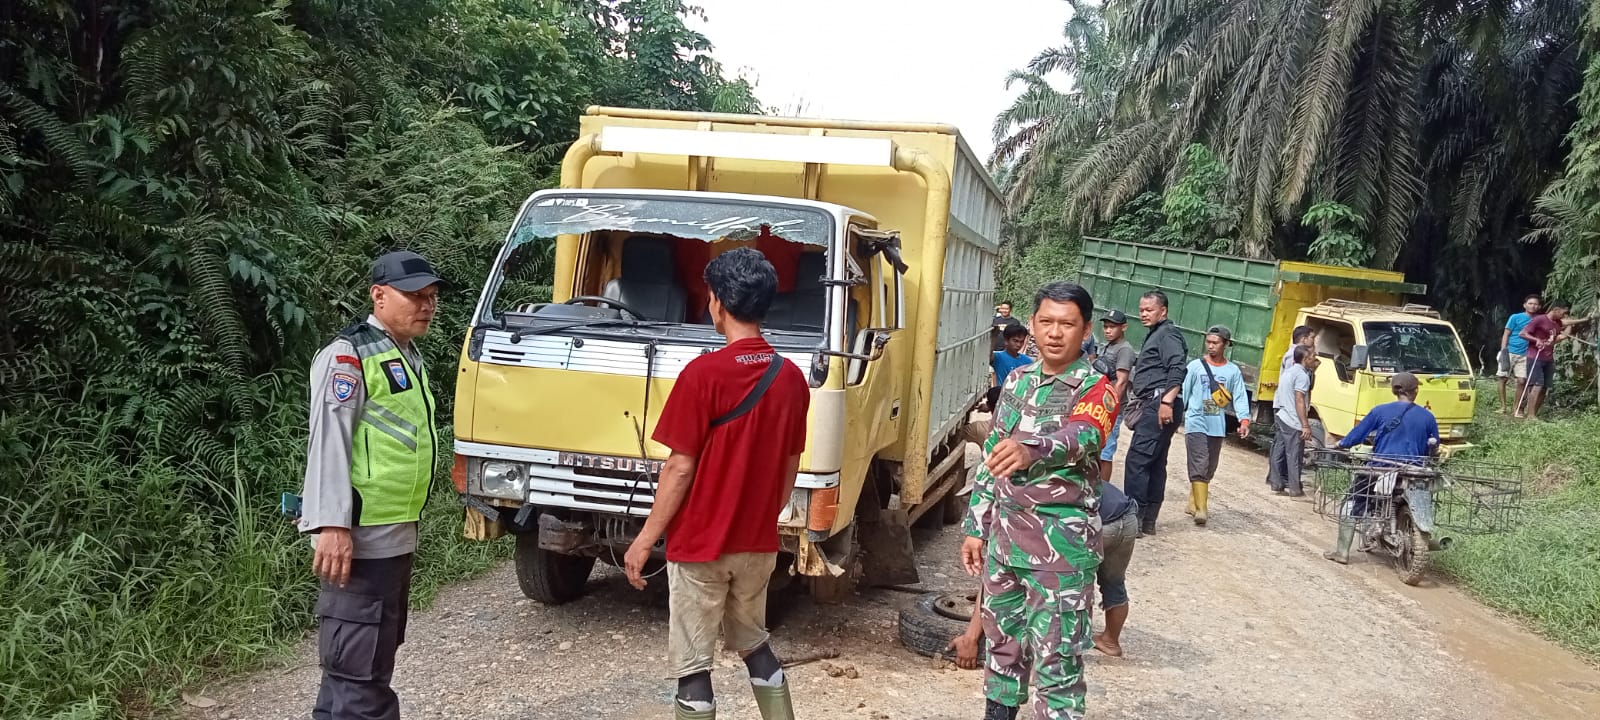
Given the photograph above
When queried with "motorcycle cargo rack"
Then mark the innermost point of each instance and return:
(1471, 497)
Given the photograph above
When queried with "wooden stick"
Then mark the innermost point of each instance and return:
(811, 658)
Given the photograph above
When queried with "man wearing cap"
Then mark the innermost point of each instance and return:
(1116, 363)
(369, 467)
(1400, 431)
(1211, 385)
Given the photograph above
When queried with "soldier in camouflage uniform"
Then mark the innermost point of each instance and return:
(1034, 527)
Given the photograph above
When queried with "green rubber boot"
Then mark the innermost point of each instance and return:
(1341, 547)
(679, 712)
(774, 702)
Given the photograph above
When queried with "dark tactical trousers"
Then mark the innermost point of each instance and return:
(361, 625)
(1144, 475)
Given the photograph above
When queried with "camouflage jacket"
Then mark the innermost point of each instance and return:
(1047, 516)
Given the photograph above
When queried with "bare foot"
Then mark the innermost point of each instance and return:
(1106, 646)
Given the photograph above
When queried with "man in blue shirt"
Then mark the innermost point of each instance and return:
(1211, 385)
(1400, 431)
(1008, 359)
(1514, 350)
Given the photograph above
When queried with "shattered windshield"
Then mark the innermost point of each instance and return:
(702, 219)
(1414, 347)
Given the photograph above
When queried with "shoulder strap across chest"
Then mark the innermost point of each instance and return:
(755, 394)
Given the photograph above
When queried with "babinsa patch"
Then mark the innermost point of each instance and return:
(399, 381)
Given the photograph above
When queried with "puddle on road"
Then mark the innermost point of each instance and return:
(1548, 678)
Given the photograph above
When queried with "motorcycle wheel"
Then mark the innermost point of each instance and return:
(1411, 558)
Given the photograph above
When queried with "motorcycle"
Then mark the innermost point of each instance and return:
(1390, 504)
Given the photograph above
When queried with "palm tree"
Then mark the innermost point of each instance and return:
(1045, 128)
(1301, 99)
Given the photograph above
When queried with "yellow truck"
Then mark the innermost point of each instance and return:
(884, 236)
(1366, 331)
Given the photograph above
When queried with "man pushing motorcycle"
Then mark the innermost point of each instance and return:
(1401, 432)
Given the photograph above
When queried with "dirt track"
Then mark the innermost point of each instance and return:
(1241, 619)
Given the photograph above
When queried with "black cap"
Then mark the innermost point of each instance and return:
(1115, 317)
(1223, 332)
(404, 270)
(1404, 382)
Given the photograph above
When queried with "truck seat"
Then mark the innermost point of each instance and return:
(647, 283)
(803, 309)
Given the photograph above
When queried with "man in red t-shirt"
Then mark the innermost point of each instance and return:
(1542, 333)
(730, 474)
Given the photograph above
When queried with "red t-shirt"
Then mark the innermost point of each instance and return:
(1546, 329)
(737, 492)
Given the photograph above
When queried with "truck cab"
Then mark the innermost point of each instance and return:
(1362, 345)
(883, 238)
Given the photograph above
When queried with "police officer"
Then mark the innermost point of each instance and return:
(368, 471)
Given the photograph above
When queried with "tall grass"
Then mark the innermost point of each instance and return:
(123, 581)
(1547, 570)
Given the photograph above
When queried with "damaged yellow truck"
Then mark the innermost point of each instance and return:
(884, 237)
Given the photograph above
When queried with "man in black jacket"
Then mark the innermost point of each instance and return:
(1157, 385)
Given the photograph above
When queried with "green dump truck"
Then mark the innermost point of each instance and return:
(1366, 332)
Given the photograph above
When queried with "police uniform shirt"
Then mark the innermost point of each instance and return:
(338, 397)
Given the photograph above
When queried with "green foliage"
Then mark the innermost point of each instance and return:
(1193, 213)
(1439, 124)
(1547, 570)
(190, 194)
(1022, 272)
(1569, 210)
(1340, 234)
(1141, 221)
(1197, 214)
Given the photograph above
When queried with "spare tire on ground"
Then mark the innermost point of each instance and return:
(937, 618)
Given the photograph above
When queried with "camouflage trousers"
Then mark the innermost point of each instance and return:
(1037, 623)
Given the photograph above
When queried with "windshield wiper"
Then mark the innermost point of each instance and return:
(517, 335)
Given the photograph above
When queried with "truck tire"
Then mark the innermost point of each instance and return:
(955, 507)
(927, 628)
(550, 577)
(830, 590)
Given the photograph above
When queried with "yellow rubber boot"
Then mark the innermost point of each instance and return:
(1198, 492)
(1189, 508)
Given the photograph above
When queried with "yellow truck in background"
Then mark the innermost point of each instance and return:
(885, 237)
(1366, 332)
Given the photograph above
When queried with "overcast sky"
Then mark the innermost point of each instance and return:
(928, 61)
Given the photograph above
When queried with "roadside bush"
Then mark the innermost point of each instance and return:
(1547, 570)
(121, 583)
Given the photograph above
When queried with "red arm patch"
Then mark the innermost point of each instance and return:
(1098, 406)
(350, 360)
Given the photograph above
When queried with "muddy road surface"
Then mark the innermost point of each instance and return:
(1240, 619)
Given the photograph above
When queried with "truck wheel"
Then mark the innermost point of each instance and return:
(830, 590)
(955, 507)
(928, 627)
(550, 577)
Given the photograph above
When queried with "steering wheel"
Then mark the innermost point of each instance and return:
(609, 302)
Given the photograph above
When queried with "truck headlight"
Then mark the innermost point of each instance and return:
(501, 479)
(1458, 431)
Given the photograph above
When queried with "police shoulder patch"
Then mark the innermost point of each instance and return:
(342, 386)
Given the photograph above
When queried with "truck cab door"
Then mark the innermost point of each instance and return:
(876, 254)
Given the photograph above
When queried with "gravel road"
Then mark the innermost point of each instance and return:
(1240, 619)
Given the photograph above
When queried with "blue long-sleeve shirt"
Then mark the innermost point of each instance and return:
(1200, 414)
(1407, 438)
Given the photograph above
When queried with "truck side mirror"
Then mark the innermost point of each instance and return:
(1358, 357)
